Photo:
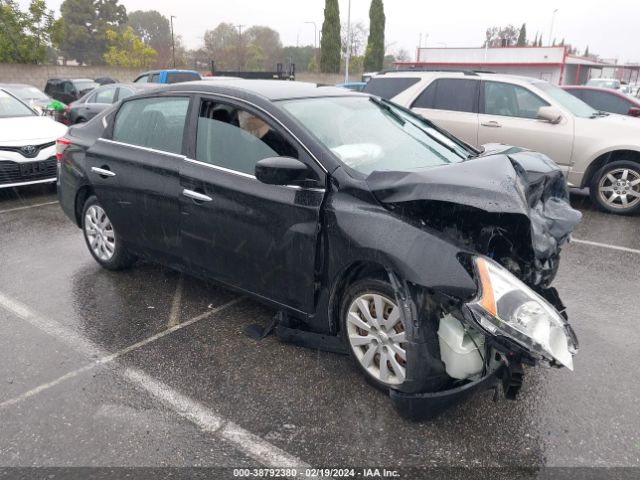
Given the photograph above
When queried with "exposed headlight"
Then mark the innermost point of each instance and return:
(508, 307)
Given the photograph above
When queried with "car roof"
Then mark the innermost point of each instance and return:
(270, 89)
(17, 85)
(168, 70)
(470, 74)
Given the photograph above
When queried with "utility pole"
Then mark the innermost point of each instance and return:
(315, 40)
(173, 43)
(240, 51)
(553, 17)
(346, 69)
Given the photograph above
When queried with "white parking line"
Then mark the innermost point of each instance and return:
(26, 207)
(83, 346)
(255, 447)
(252, 445)
(605, 245)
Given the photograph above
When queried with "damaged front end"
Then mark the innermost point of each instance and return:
(510, 211)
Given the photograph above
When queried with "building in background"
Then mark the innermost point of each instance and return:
(553, 64)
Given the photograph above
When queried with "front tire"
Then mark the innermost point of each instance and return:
(373, 328)
(102, 239)
(615, 188)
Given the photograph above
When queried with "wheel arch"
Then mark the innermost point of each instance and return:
(353, 272)
(604, 158)
(84, 192)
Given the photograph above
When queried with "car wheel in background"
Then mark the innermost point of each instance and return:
(615, 188)
(374, 331)
(102, 239)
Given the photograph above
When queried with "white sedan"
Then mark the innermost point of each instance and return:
(27, 144)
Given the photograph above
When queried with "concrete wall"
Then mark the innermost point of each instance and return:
(37, 75)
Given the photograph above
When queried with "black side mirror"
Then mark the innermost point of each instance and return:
(281, 171)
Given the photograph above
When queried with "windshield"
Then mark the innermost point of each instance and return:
(368, 134)
(82, 85)
(614, 84)
(568, 101)
(10, 107)
(28, 93)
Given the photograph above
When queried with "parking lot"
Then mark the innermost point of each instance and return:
(148, 367)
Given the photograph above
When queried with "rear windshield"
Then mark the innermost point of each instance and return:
(28, 93)
(388, 88)
(177, 77)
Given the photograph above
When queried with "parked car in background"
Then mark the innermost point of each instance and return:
(594, 149)
(354, 86)
(368, 228)
(30, 95)
(27, 144)
(611, 83)
(168, 76)
(69, 90)
(606, 100)
(106, 80)
(101, 98)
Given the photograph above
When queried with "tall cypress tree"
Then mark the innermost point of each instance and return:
(330, 43)
(522, 38)
(374, 56)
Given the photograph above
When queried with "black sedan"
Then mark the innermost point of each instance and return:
(370, 230)
(98, 100)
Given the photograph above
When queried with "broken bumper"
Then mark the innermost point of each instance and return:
(426, 406)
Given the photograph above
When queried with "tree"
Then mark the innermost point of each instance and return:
(225, 46)
(586, 51)
(522, 37)
(501, 36)
(268, 41)
(540, 41)
(154, 29)
(83, 27)
(126, 49)
(358, 33)
(535, 41)
(25, 37)
(330, 45)
(303, 57)
(374, 57)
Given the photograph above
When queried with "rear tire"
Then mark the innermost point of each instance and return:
(102, 239)
(615, 188)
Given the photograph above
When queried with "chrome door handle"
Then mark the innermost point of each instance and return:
(103, 172)
(196, 196)
(492, 124)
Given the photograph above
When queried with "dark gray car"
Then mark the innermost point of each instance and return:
(100, 99)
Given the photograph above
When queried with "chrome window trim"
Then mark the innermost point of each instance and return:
(247, 175)
(139, 147)
(222, 169)
(25, 183)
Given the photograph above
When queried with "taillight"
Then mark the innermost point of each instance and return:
(61, 146)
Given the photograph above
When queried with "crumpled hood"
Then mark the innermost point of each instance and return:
(503, 179)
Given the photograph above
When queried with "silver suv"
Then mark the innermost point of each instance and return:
(594, 149)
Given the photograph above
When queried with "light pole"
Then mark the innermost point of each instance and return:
(315, 39)
(173, 43)
(553, 18)
(346, 66)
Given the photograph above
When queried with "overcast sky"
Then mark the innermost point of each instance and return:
(610, 28)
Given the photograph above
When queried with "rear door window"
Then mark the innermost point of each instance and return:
(389, 87)
(103, 96)
(155, 78)
(236, 139)
(156, 123)
(458, 95)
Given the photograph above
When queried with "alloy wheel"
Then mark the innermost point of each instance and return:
(100, 233)
(378, 338)
(620, 188)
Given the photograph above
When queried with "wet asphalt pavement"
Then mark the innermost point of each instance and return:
(152, 368)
